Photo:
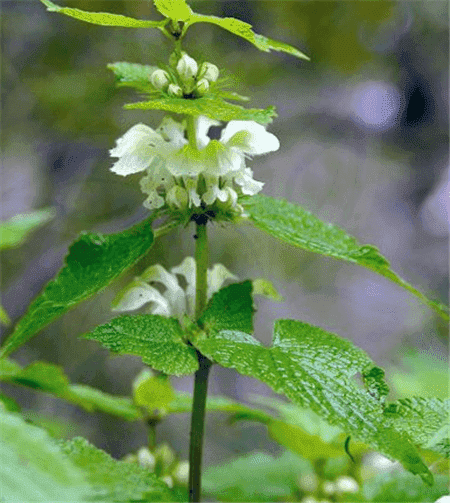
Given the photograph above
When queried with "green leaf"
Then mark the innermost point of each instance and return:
(178, 10)
(426, 420)
(296, 226)
(4, 318)
(316, 369)
(401, 487)
(244, 30)
(210, 106)
(32, 468)
(265, 288)
(50, 378)
(114, 480)
(133, 75)
(159, 341)
(103, 18)
(231, 308)
(255, 477)
(14, 231)
(94, 261)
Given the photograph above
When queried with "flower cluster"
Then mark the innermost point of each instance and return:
(182, 176)
(188, 80)
(174, 301)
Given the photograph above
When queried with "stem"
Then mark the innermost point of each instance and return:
(190, 129)
(197, 428)
(201, 259)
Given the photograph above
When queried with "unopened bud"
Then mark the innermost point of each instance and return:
(181, 472)
(160, 79)
(146, 458)
(209, 71)
(164, 455)
(202, 87)
(346, 485)
(187, 69)
(168, 480)
(175, 91)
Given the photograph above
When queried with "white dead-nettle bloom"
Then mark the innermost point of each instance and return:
(209, 71)
(173, 166)
(160, 79)
(174, 301)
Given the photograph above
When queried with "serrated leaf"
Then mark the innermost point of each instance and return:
(178, 10)
(14, 231)
(103, 18)
(114, 480)
(159, 341)
(32, 468)
(296, 226)
(231, 308)
(50, 378)
(255, 477)
(244, 30)
(210, 106)
(94, 261)
(426, 420)
(316, 369)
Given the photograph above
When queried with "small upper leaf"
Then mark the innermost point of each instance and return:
(244, 30)
(133, 75)
(316, 369)
(94, 261)
(159, 341)
(296, 226)
(209, 105)
(178, 10)
(103, 18)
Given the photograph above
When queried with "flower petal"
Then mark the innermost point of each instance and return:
(202, 125)
(217, 277)
(250, 137)
(137, 294)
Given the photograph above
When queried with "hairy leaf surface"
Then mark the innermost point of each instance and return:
(296, 226)
(316, 369)
(94, 261)
(159, 341)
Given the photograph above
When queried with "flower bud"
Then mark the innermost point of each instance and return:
(187, 69)
(160, 79)
(346, 485)
(146, 458)
(209, 71)
(175, 91)
(202, 87)
(181, 473)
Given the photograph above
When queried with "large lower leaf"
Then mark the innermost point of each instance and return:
(114, 480)
(296, 226)
(159, 341)
(94, 261)
(317, 369)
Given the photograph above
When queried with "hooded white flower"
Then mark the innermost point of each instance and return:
(174, 301)
(172, 166)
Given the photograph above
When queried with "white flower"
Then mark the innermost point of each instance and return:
(209, 71)
(187, 69)
(160, 79)
(347, 485)
(173, 166)
(174, 301)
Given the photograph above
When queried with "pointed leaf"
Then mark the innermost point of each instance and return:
(244, 30)
(231, 308)
(210, 106)
(316, 369)
(159, 341)
(94, 261)
(296, 226)
(114, 480)
(103, 18)
(14, 231)
(426, 420)
(178, 10)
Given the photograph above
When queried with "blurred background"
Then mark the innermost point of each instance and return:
(363, 129)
